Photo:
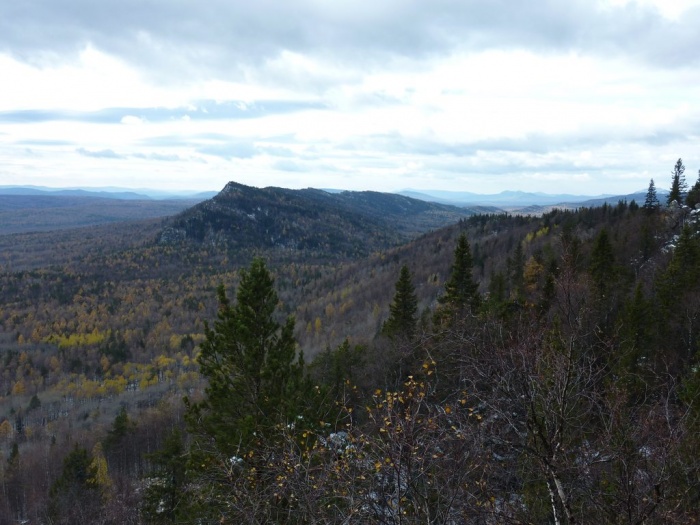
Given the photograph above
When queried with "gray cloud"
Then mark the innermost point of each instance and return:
(157, 156)
(100, 154)
(31, 116)
(169, 141)
(229, 147)
(289, 165)
(234, 39)
(533, 143)
(44, 142)
(239, 150)
(205, 111)
(503, 169)
(277, 151)
(111, 154)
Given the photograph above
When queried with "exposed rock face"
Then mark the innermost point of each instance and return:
(171, 235)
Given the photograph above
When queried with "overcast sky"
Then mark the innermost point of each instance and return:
(576, 96)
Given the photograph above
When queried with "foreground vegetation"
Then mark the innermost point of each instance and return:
(502, 370)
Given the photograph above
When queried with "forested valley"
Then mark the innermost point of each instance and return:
(499, 369)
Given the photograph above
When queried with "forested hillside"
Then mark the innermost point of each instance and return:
(321, 224)
(41, 213)
(498, 370)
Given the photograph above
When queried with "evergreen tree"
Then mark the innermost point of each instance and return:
(678, 289)
(549, 288)
(606, 284)
(250, 362)
(116, 348)
(461, 291)
(637, 331)
(120, 428)
(14, 484)
(34, 403)
(117, 444)
(163, 496)
(602, 265)
(678, 184)
(19, 425)
(693, 196)
(516, 266)
(335, 367)
(647, 241)
(13, 459)
(651, 202)
(497, 287)
(404, 308)
(75, 497)
(683, 272)
(256, 400)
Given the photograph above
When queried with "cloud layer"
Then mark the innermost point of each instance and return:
(579, 96)
(223, 38)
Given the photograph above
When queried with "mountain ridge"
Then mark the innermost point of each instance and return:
(450, 197)
(346, 223)
(34, 208)
(115, 193)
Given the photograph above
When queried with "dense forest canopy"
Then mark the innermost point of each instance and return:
(503, 369)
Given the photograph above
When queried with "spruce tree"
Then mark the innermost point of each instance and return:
(121, 426)
(678, 288)
(403, 309)
(516, 266)
(602, 266)
(117, 443)
(605, 277)
(683, 272)
(678, 184)
(162, 498)
(74, 497)
(693, 196)
(497, 289)
(461, 291)
(637, 332)
(651, 202)
(13, 459)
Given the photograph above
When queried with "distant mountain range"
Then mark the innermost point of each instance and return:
(107, 193)
(351, 222)
(521, 201)
(510, 201)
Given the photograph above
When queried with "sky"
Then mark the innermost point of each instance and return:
(558, 96)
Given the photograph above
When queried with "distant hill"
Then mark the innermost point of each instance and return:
(107, 193)
(48, 212)
(345, 223)
(505, 199)
(638, 197)
(521, 202)
(37, 192)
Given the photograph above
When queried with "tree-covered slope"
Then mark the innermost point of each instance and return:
(326, 224)
(572, 364)
(48, 213)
